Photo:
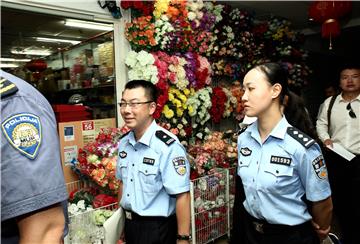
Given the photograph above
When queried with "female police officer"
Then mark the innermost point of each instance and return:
(282, 169)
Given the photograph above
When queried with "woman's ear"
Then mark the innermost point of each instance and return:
(276, 90)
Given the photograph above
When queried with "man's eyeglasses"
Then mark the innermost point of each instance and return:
(132, 104)
(351, 111)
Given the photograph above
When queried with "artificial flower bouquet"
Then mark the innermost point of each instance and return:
(97, 160)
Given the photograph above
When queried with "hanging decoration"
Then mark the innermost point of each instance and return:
(112, 7)
(328, 14)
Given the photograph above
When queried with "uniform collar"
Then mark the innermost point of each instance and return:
(145, 139)
(279, 130)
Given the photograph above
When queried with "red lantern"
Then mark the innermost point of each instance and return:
(36, 65)
(328, 13)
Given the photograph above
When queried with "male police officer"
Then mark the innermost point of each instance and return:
(32, 182)
(154, 172)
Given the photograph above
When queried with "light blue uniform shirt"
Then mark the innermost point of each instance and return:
(31, 173)
(278, 173)
(152, 172)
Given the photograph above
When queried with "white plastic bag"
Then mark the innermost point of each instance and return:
(114, 226)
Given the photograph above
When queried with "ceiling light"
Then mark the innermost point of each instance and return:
(8, 65)
(15, 60)
(88, 25)
(43, 39)
(35, 52)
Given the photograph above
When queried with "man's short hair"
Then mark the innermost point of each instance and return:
(150, 88)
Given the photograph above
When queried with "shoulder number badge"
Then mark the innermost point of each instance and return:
(179, 165)
(23, 131)
(320, 167)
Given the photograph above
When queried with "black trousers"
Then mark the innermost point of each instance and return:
(344, 179)
(150, 230)
(260, 232)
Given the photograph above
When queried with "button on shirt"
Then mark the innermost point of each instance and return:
(343, 129)
(148, 170)
(276, 175)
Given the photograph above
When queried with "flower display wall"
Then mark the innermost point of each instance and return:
(187, 47)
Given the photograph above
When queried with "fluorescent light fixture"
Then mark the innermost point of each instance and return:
(35, 52)
(15, 60)
(88, 25)
(8, 65)
(44, 39)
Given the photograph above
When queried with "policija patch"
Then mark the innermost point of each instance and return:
(23, 131)
(179, 165)
(320, 167)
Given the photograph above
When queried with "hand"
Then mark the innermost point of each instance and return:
(322, 233)
(328, 142)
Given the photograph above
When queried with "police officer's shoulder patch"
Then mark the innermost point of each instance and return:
(168, 140)
(7, 88)
(180, 165)
(320, 167)
(23, 131)
(301, 137)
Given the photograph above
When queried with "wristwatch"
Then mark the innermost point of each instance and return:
(183, 237)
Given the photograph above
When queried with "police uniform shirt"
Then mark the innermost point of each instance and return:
(31, 172)
(153, 170)
(278, 173)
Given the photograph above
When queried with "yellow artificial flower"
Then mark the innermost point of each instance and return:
(160, 7)
(191, 109)
(186, 92)
(179, 112)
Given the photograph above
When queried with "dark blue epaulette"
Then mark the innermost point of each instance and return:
(125, 134)
(7, 88)
(242, 130)
(168, 140)
(301, 137)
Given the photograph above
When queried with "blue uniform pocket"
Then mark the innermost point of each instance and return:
(278, 178)
(148, 177)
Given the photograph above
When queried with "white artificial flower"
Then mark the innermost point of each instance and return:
(191, 16)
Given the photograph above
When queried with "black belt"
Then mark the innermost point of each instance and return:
(130, 215)
(263, 227)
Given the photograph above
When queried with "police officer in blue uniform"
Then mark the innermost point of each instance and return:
(154, 171)
(284, 176)
(33, 192)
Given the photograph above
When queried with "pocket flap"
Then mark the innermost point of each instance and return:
(279, 170)
(148, 170)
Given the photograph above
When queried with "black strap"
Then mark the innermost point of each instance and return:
(331, 104)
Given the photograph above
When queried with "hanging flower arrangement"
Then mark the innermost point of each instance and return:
(141, 66)
(140, 33)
